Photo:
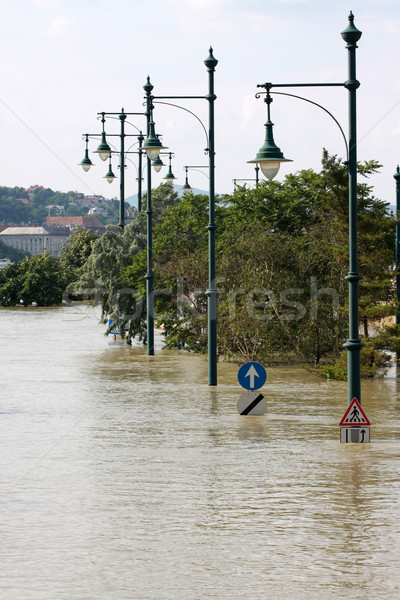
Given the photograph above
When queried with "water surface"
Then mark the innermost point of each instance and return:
(126, 477)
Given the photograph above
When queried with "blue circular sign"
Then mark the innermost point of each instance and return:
(252, 376)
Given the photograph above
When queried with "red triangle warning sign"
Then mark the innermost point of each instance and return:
(354, 415)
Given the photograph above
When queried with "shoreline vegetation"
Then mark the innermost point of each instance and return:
(282, 259)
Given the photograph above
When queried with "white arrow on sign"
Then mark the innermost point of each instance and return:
(252, 372)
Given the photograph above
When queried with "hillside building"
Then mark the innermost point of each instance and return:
(72, 223)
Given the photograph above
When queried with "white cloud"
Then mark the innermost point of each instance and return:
(383, 26)
(200, 3)
(396, 130)
(46, 4)
(247, 111)
(61, 26)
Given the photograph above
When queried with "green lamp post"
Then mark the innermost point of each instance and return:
(140, 167)
(152, 154)
(212, 293)
(351, 35)
(397, 247)
(270, 157)
(153, 143)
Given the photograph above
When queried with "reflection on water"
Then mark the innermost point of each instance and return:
(126, 477)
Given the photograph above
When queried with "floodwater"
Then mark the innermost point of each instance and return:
(126, 477)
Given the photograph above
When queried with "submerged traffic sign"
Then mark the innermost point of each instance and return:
(354, 416)
(252, 376)
(353, 434)
(115, 330)
(252, 403)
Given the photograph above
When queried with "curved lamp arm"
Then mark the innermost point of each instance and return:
(192, 113)
(258, 95)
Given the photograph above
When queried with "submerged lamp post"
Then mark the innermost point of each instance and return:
(270, 157)
(397, 178)
(152, 146)
(210, 62)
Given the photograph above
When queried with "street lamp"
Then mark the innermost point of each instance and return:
(186, 186)
(270, 157)
(105, 152)
(103, 149)
(210, 62)
(109, 175)
(170, 177)
(157, 164)
(257, 169)
(86, 162)
(152, 144)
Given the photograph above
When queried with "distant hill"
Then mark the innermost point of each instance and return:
(31, 206)
(177, 188)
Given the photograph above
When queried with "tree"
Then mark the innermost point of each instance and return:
(13, 254)
(38, 279)
(376, 236)
(180, 266)
(106, 277)
(75, 252)
(282, 258)
(102, 276)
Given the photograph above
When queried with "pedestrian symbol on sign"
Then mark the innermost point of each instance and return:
(354, 415)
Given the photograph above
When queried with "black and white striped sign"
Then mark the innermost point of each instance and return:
(252, 403)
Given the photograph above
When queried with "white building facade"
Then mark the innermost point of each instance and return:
(36, 240)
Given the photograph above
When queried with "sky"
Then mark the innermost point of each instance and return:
(64, 61)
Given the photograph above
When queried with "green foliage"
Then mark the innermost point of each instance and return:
(387, 337)
(13, 254)
(75, 252)
(289, 207)
(103, 279)
(38, 279)
(279, 295)
(282, 258)
(35, 213)
(162, 198)
(373, 362)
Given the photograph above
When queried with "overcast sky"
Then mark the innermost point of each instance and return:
(63, 61)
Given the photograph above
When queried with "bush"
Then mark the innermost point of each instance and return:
(373, 360)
